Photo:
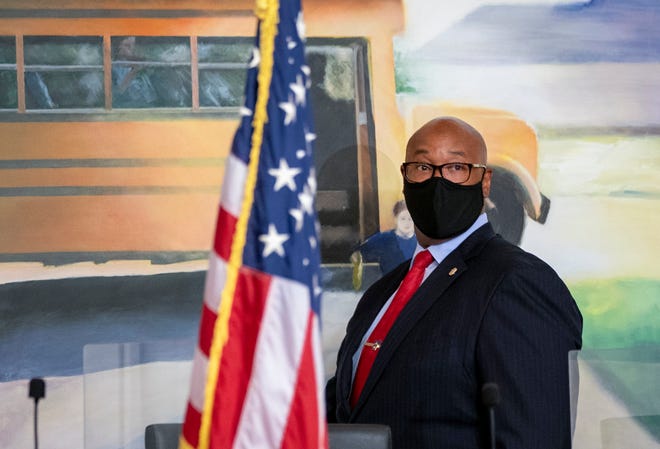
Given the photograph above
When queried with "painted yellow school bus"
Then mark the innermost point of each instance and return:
(116, 118)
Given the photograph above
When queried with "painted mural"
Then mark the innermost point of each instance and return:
(582, 75)
(116, 118)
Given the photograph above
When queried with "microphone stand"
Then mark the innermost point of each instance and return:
(490, 397)
(37, 390)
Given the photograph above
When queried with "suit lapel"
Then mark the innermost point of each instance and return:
(445, 274)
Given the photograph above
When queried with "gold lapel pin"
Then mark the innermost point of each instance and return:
(453, 271)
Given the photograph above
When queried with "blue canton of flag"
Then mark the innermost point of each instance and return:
(282, 235)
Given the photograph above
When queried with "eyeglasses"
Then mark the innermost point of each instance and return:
(456, 172)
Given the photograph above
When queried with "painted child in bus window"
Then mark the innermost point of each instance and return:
(389, 248)
(36, 92)
(131, 85)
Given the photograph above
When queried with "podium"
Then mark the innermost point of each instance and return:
(615, 398)
(340, 436)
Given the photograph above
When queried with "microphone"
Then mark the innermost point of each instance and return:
(490, 397)
(37, 390)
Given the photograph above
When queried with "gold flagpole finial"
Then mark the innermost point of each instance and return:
(261, 8)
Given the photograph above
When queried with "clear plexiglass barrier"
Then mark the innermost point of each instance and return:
(128, 386)
(615, 398)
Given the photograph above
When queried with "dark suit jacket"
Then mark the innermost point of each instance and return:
(504, 316)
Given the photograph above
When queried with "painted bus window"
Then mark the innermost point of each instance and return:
(151, 72)
(337, 71)
(8, 97)
(222, 70)
(63, 72)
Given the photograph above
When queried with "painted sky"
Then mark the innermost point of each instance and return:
(425, 18)
(557, 64)
(624, 31)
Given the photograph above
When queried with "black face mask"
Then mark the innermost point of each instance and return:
(442, 209)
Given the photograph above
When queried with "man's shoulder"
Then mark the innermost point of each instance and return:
(502, 255)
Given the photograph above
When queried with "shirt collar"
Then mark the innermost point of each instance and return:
(442, 250)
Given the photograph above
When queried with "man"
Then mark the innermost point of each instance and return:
(485, 312)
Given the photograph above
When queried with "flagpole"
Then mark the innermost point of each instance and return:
(267, 13)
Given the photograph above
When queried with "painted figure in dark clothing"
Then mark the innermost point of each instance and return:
(389, 248)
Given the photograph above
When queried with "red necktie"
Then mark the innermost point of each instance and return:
(408, 287)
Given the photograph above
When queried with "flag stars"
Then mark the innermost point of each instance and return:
(300, 26)
(311, 182)
(300, 154)
(290, 43)
(306, 199)
(308, 75)
(310, 137)
(299, 90)
(289, 109)
(255, 59)
(273, 242)
(298, 215)
(315, 286)
(284, 176)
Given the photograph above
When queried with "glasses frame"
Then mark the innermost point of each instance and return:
(438, 168)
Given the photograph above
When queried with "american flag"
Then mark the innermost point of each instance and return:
(257, 379)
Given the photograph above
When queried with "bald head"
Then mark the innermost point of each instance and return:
(450, 135)
(446, 141)
(450, 139)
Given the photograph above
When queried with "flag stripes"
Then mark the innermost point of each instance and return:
(257, 370)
